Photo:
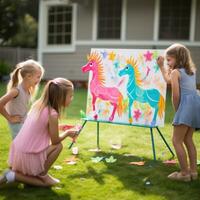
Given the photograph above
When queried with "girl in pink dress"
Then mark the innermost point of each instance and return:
(38, 144)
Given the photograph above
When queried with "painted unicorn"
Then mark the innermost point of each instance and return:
(98, 88)
(136, 93)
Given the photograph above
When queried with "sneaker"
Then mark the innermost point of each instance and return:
(177, 176)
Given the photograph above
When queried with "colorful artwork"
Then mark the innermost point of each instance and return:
(125, 86)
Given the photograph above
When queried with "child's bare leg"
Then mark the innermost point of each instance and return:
(192, 152)
(32, 180)
(53, 152)
(178, 139)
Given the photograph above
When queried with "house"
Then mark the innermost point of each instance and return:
(68, 29)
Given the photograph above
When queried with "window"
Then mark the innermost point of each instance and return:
(59, 25)
(109, 19)
(175, 19)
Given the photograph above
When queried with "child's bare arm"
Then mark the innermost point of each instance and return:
(165, 73)
(54, 132)
(175, 88)
(4, 100)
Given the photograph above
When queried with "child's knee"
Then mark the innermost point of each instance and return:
(59, 147)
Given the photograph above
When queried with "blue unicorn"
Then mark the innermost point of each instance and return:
(136, 93)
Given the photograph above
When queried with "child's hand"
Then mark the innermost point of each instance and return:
(73, 133)
(15, 119)
(160, 61)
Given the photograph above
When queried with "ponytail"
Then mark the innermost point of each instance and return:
(54, 95)
(23, 68)
(14, 78)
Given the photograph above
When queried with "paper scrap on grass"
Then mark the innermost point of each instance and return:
(128, 154)
(140, 163)
(97, 159)
(146, 181)
(116, 146)
(58, 188)
(111, 159)
(95, 150)
(170, 162)
(57, 167)
(71, 161)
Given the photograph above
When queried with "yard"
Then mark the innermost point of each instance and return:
(87, 180)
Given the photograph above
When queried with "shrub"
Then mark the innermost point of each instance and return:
(5, 68)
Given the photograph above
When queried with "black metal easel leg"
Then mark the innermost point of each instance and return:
(153, 145)
(165, 141)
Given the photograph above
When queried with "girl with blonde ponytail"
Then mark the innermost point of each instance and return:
(21, 87)
(38, 144)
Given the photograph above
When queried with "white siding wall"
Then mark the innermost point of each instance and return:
(139, 34)
(69, 65)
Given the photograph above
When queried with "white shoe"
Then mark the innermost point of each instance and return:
(7, 177)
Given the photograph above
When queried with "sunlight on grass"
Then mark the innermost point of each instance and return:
(101, 181)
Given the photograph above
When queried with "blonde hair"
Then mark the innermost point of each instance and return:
(21, 70)
(182, 56)
(54, 95)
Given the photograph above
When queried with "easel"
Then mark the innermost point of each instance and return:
(151, 133)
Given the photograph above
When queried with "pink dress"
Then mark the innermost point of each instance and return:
(28, 151)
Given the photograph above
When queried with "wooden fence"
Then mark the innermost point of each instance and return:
(14, 55)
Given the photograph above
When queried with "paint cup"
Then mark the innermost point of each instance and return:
(116, 143)
(75, 150)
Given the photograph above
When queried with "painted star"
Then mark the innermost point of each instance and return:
(148, 56)
(104, 54)
(111, 56)
(137, 114)
(155, 55)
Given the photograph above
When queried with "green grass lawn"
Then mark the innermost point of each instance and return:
(107, 181)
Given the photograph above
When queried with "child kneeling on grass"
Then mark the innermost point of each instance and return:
(38, 144)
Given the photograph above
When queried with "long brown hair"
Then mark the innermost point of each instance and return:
(54, 95)
(21, 70)
(182, 56)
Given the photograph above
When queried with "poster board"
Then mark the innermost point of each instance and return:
(125, 86)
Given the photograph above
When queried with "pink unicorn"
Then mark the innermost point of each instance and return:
(98, 89)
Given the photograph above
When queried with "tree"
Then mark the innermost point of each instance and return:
(27, 34)
(12, 13)
(9, 15)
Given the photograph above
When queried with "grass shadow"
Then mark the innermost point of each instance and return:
(24, 192)
(150, 179)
